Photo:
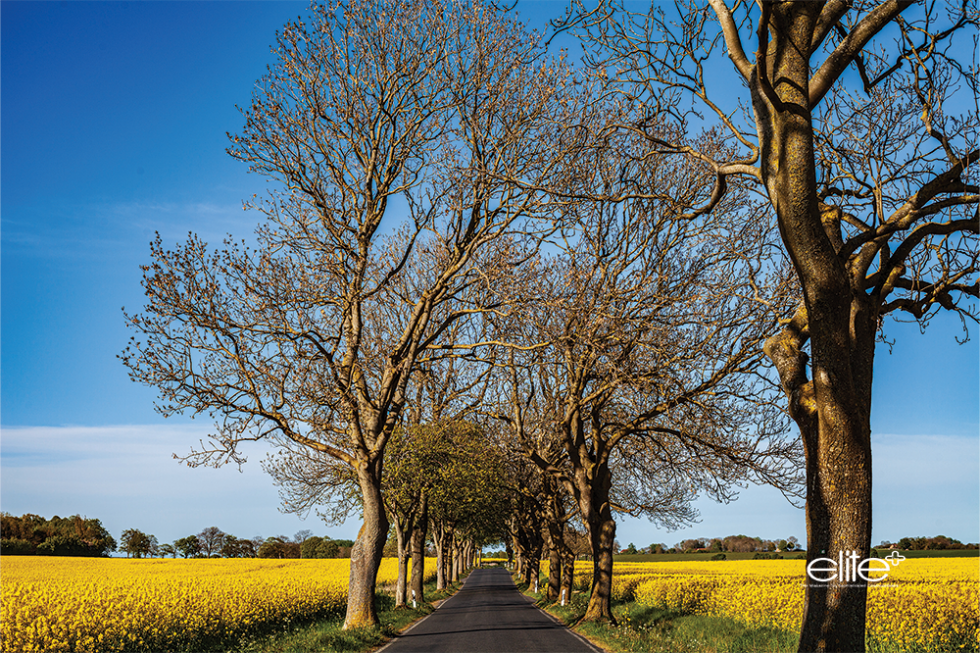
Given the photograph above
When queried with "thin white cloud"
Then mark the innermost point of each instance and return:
(127, 477)
(927, 462)
(95, 231)
(921, 485)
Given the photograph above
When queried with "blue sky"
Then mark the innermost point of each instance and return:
(113, 127)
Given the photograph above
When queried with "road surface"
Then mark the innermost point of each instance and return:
(488, 615)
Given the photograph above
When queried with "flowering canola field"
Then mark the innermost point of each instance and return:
(104, 604)
(924, 604)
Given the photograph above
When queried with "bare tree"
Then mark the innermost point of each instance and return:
(858, 122)
(388, 127)
(211, 540)
(647, 384)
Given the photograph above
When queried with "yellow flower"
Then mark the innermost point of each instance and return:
(101, 604)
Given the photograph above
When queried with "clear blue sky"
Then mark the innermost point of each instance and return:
(113, 127)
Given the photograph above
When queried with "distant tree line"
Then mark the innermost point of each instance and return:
(937, 543)
(78, 536)
(729, 544)
(212, 542)
(59, 536)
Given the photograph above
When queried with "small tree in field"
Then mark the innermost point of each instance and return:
(211, 539)
(136, 543)
(188, 547)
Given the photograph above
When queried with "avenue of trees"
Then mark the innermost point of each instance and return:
(498, 295)
(858, 124)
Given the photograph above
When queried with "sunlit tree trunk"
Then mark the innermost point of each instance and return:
(602, 534)
(442, 535)
(365, 558)
(833, 410)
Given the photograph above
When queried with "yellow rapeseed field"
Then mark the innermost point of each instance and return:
(102, 604)
(923, 604)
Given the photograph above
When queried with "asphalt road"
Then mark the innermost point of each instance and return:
(488, 615)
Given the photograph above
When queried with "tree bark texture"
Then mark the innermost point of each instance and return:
(365, 558)
(833, 409)
(597, 513)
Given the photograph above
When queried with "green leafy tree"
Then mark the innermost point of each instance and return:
(136, 543)
(63, 536)
(328, 549)
(278, 547)
(465, 496)
(233, 547)
(188, 547)
(310, 546)
(16, 547)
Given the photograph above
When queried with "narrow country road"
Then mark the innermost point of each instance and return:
(488, 615)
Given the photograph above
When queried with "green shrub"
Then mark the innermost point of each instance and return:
(13, 546)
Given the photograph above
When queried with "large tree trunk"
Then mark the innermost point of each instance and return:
(833, 410)
(838, 507)
(532, 569)
(528, 542)
(554, 533)
(602, 533)
(365, 557)
(592, 494)
(418, 551)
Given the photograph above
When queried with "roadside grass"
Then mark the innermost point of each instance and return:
(648, 630)
(329, 636)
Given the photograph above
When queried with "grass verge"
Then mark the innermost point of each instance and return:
(329, 636)
(648, 630)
